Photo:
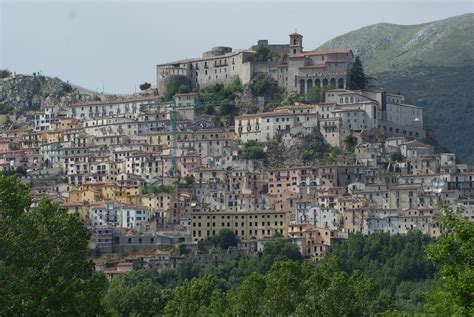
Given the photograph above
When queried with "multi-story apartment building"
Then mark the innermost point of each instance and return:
(130, 108)
(247, 225)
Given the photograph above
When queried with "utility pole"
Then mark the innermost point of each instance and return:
(174, 170)
(173, 138)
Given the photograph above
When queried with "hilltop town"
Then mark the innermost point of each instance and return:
(270, 141)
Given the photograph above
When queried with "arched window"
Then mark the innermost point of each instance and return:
(341, 100)
(352, 99)
(346, 100)
(340, 83)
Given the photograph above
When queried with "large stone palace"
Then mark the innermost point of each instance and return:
(290, 66)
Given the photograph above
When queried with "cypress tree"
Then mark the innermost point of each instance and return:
(356, 75)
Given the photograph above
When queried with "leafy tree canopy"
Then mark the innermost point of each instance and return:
(396, 157)
(44, 266)
(252, 150)
(263, 53)
(145, 86)
(225, 238)
(5, 73)
(162, 188)
(453, 251)
(289, 97)
(178, 84)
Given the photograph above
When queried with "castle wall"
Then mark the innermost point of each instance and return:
(292, 68)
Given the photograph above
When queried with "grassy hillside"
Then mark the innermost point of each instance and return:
(432, 64)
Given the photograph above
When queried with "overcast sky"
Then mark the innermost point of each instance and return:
(118, 43)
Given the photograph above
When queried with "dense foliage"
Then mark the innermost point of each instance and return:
(313, 147)
(219, 99)
(289, 97)
(5, 108)
(262, 54)
(350, 142)
(454, 252)
(251, 150)
(44, 268)
(396, 263)
(5, 73)
(145, 86)
(225, 239)
(396, 157)
(316, 94)
(177, 84)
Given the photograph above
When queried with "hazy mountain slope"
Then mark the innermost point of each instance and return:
(385, 47)
(432, 64)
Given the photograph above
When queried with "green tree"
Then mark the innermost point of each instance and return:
(324, 285)
(219, 99)
(278, 250)
(247, 299)
(350, 142)
(454, 252)
(44, 266)
(235, 86)
(145, 86)
(387, 259)
(189, 179)
(141, 299)
(263, 53)
(396, 157)
(5, 73)
(252, 150)
(6, 108)
(199, 297)
(356, 75)
(225, 238)
(176, 84)
(283, 290)
(314, 95)
(289, 97)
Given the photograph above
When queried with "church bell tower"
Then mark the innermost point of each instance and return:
(296, 43)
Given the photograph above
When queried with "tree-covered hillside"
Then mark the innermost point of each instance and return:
(432, 64)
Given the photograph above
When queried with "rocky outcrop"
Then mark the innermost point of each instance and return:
(34, 92)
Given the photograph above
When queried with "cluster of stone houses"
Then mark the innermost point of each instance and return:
(100, 160)
(343, 113)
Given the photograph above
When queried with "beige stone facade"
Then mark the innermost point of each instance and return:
(293, 68)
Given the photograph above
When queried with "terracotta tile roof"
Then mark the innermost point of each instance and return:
(324, 52)
(323, 65)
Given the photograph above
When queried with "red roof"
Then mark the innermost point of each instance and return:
(296, 34)
(325, 52)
